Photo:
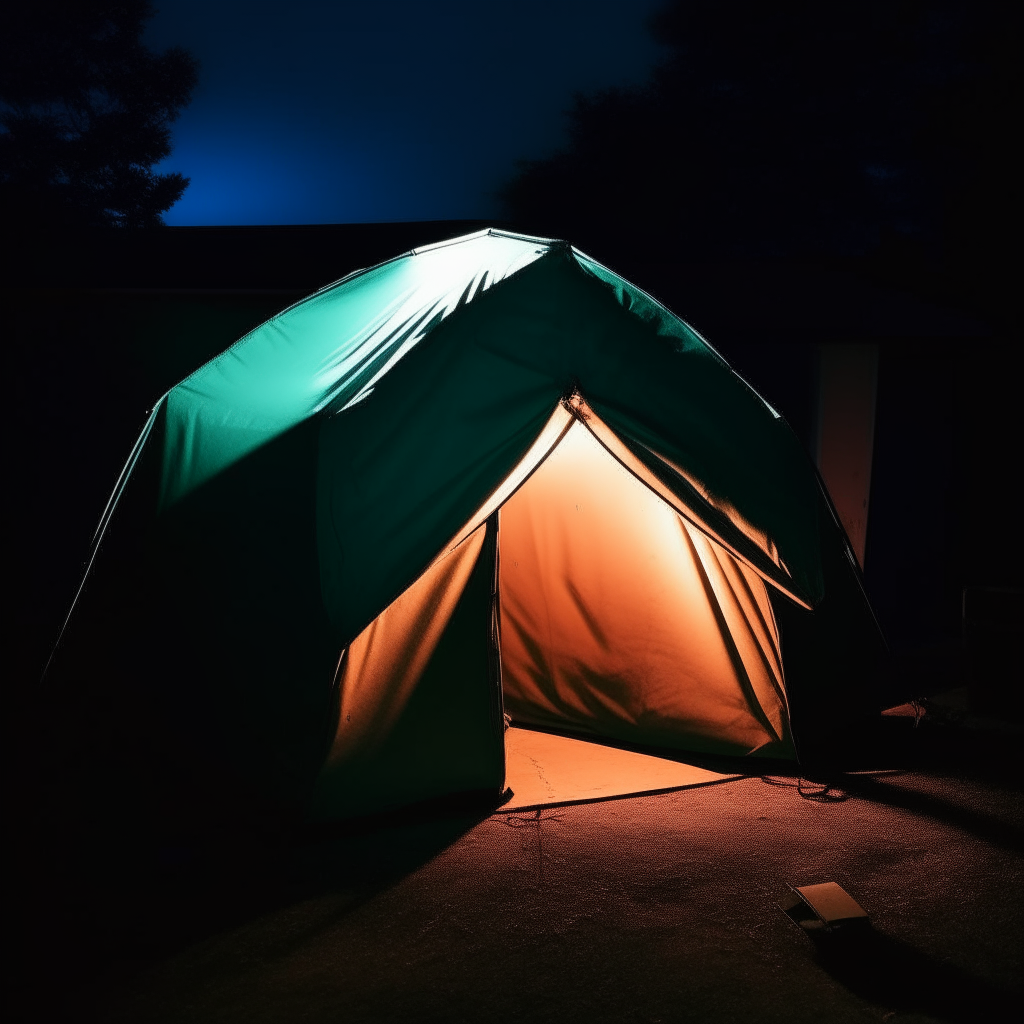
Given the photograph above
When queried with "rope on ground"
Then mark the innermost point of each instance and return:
(810, 789)
(519, 821)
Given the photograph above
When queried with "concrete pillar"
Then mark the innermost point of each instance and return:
(845, 434)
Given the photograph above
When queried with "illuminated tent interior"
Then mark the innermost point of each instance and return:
(613, 617)
(487, 481)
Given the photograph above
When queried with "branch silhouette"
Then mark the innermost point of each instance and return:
(85, 114)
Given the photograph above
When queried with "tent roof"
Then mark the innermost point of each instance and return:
(432, 373)
(327, 351)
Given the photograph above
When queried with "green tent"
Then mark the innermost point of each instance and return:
(486, 480)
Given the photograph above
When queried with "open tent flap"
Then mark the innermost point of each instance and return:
(618, 619)
(417, 711)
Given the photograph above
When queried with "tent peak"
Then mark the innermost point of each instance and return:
(550, 243)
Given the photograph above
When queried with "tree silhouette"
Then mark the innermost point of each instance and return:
(85, 113)
(774, 128)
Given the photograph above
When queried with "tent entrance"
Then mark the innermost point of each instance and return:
(583, 602)
(621, 620)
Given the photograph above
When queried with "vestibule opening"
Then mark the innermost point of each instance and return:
(621, 621)
(577, 602)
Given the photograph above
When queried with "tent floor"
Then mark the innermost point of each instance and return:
(661, 908)
(543, 769)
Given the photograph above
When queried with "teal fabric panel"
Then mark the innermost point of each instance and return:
(834, 657)
(323, 352)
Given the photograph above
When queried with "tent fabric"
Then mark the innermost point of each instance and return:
(417, 710)
(621, 620)
(548, 328)
(298, 485)
(711, 514)
(528, 316)
(323, 354)
(380, 668)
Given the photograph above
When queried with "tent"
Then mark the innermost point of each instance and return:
(487, 480)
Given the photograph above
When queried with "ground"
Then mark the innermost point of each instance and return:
(652, 908)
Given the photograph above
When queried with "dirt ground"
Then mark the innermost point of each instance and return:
(657, 909)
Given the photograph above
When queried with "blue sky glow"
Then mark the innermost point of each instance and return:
(330, 112)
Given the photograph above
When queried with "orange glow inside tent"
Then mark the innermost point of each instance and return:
(616, 619)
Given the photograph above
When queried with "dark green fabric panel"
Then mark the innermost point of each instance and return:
(450, 736)
(834, 657)
(200, 647)
(241, 599)
(661, 320)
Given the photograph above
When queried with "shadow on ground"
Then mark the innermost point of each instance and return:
(630, 909)
(892, 974)
(113, 896)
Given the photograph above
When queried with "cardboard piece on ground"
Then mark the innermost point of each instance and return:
(544, 769)
(825, 905)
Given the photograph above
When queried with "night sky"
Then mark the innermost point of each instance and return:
(316, 111)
